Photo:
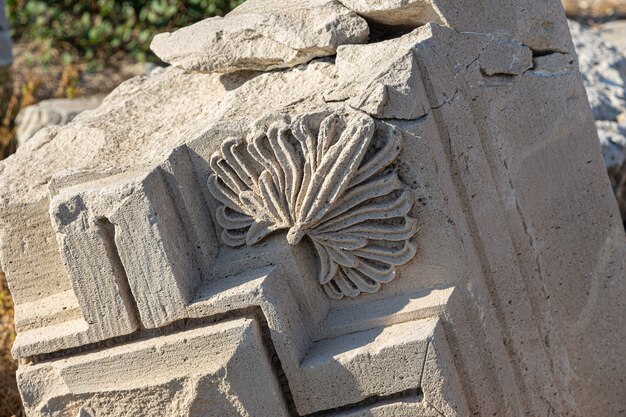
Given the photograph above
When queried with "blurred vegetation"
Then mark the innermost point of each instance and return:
(70, 48)
(97, 30)
(7, 114)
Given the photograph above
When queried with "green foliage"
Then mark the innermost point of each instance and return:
(96, 30)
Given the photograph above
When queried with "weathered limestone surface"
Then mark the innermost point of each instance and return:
(396, 12)
(285, 37)
(417, 226)
(51, 112)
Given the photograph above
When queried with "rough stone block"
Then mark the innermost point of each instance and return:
(50, 113)
(420, 225)
(253, 40)
(204, 371)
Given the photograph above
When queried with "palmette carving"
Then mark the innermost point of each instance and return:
(334, 182)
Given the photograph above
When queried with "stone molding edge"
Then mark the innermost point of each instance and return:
(423, 398)
(330, 177)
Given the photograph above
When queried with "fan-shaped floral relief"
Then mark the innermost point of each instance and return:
(333, 181)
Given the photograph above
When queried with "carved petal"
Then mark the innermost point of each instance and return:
(382, 159)
(328, 268)
(273, 201)
(224, 194)
(232, 220)
(387, 255)
(333, 290)
(346, 286)
(380, 210)
(338, 165)
(342, 241)
(362, 283)
(233, 238)
(378, 231)
(371, 190)
(258, 231)
(327, 135)
(233, 152)
(378, 273)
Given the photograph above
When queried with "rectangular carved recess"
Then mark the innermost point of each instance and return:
(106, 230)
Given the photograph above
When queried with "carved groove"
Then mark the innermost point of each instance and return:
(333, 181)
(106, 230)
(253, 312)
(414, 394)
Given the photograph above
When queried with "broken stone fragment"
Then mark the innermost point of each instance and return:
(381, 85)
(51, 112)
(505, 57)
(410, 13)
(387, 86)
(261, 41)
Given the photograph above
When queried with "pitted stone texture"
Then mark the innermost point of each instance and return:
(511, 305)
(200, 372)
(411, 13)
(50, 113)
(259, 42)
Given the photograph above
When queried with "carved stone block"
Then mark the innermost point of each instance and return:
(416, 226)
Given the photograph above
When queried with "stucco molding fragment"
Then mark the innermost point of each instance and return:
(332, 180)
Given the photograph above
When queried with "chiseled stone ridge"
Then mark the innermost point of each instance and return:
(402, 227)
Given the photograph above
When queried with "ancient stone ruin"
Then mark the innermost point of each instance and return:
(326, 208)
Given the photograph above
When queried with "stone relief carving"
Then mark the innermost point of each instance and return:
(333, 181)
